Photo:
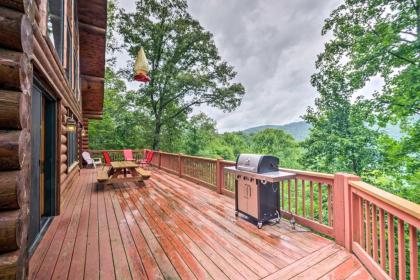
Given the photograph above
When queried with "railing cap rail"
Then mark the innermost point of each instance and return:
(309, 173)
(400, 203)
(200, 158)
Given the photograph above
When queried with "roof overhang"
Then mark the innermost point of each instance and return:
(92, 41)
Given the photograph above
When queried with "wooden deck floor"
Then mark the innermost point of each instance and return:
(172, 229)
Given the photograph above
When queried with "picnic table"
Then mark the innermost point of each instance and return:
(119, 171)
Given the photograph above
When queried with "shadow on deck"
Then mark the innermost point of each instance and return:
(172, 228)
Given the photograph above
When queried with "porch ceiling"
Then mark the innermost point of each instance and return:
(92, 38)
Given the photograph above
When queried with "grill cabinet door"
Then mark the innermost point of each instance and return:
(253, 199)
(242, 195)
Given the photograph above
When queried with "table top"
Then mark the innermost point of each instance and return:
(123, 164)
(274, 176)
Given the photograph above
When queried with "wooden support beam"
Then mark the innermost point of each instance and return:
(13, 144)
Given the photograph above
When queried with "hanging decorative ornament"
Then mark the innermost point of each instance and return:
(141, 67)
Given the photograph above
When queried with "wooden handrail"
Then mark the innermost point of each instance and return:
(400, 203)
(309, 173)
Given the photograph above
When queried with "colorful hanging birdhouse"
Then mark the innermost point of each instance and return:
(141, 67)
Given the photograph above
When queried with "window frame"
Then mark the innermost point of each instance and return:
(58, 49)
(72, 148)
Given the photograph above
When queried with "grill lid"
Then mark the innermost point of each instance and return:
(257, 163)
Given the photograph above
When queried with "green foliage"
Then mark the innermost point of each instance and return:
(369, 39)
(340, 139)
(186, 69)
(120, 126)
(278, 143)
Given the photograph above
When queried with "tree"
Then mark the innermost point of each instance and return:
(201, 131)
(120, 126)
(186, 70)
(378, 38)
(340, 139)
(278, 143)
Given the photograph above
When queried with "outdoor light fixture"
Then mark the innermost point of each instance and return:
(71, 125)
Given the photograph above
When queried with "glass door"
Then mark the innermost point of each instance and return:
(43, 181)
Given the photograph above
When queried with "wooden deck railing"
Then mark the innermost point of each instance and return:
(204, 171)
(115, 155)
(309, 200)
(384, 230)
(358, 216)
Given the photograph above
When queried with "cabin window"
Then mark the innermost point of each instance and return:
(72, 148)
(69, 69)
(76, 75)
(55, 26)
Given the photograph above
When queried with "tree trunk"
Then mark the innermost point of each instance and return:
(156, 134)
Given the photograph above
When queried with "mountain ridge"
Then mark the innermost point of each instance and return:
(300, 130)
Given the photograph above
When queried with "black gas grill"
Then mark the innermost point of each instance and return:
(257, 187)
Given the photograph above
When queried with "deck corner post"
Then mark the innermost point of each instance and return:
(159, 159)
(180, 164)
(219, 175)
(341, 209)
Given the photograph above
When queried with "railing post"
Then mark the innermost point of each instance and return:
(180, 164)
(341, 209)
(159, 159)
(219, 176)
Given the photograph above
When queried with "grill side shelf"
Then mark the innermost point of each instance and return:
(275, 176)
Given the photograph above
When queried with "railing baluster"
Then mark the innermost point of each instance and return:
(288, 196)
(374, 234)
(282, 195)
(303, 199)
(355, 216)
(296, 196)
(391, 246)
(367, 214)
(382, 238)
(329, 205)
(414, 257)
(320, 203)
(401, 250)
(361, 224)
(311, 186)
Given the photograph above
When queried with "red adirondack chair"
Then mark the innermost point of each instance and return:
(107, 158)
(128, 155)
(148, 159)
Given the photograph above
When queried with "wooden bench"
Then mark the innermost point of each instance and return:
(144, 173)
(102, 176)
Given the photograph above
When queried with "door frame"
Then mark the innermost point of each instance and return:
(51, 187)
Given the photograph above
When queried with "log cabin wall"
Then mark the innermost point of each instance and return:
(25, 52)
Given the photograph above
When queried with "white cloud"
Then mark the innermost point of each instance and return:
(273, 45)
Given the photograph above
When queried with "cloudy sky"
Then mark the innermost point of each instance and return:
(273, 45)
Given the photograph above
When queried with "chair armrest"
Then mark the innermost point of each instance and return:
(97, 159)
